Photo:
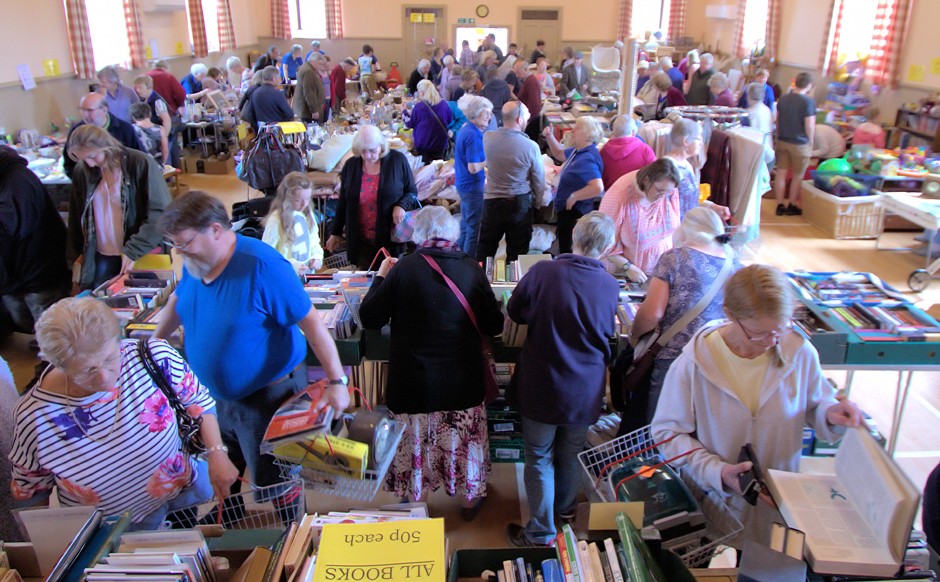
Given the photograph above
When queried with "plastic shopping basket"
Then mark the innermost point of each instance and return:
(600, 462)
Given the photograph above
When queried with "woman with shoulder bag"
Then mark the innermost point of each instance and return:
(681, 280)
(429, 118)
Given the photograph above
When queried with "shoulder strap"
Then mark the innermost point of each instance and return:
(706, 299)
(158, 377)
(434, 113)
(456, 291)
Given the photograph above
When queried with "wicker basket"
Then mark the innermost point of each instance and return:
(844, 218)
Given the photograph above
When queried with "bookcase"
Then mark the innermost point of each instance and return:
(917, 124)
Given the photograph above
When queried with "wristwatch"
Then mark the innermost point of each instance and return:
(344, 380)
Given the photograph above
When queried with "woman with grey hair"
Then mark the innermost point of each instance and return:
(683, 275)
(436, 380)
(685, 141)
(119, 96)
(579, 180)
(376, 187)
(624, 152)
(720, 88)
(239, 76)
(469, 174)
(447, 71)
(97, 402)
(192, 83)
(423, 71)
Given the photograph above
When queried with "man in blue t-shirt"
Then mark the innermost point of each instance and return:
(243, 310)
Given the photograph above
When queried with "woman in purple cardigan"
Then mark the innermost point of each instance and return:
(429, 118)
(558, 386)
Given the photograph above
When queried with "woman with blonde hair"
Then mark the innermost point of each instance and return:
(290, 226)
(96, 403)
(428, 117)
(747, 379)
(118, 197)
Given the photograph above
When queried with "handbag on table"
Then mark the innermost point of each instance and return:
(491, 392)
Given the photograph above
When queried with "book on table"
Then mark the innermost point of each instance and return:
(857, 521)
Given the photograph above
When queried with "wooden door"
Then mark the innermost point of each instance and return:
(537, 25)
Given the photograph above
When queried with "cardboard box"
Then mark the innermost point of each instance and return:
(218, 165)
(189, 164)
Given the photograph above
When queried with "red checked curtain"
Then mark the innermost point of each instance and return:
(135, 37)
(677, 10)
(280, 19)
(197, 27)
(737, 45)
(226, 29)
(83, 58)
(891, 21)
(626, 18)
(772, 33)
(829, 56)
(334, 19)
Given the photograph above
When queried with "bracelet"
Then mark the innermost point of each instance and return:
(222, 448)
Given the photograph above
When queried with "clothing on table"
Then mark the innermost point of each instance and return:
(120, 101)
(267, 104)
(144, 195)
(448, 449)
(168, 87)
(119, 130)
(291, 63)
(643, 229)
(499, 93)
(791, 397)
(699, 93)
(396, 188)
(368, 206)
(792, 111)
(51, 447)
(306, 244)
(254, 305)
(828, 143)
(717, 168)
(622, 155)
(430, 126)
(677, 78)
(530, 94)
(311, 94)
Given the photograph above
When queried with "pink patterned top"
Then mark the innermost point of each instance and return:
(643, 228)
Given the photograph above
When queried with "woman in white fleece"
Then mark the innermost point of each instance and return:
(748, 379)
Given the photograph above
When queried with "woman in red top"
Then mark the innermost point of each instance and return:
(377, 186)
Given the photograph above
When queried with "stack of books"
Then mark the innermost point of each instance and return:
(873, 322)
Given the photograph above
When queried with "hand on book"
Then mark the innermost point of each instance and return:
(844, 413)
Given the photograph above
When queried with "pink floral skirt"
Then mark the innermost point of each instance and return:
(449, 449)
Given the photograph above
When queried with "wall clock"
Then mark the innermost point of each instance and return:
(483, 10)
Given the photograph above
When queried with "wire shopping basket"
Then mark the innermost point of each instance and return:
(271, 507)
(333, 479)
(336, 261)
(721, 525)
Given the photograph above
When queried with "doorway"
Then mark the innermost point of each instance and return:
(421, 30)
(540, 24)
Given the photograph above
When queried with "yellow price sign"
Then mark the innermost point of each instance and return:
(915, 73)
(179, 48)
(429, 17)
(51, 67)
(935, 66)
(148, 53)
(417, 17)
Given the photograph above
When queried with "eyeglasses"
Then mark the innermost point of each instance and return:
(777, 333)
(84, 110)
(183, 246)
(90, 373)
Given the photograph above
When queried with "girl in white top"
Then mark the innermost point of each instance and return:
(290, 226)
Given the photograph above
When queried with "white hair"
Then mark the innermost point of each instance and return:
(369, 134)
(682, 130)
(232, 62)
(593, 233)
(424, 64)
(624, 126)
(435, 222)
(296, 48)
(474, 105)
(75, 327)
(718, 82)
(701, 227)
(198, 69)
(591, 128)
(707, 58)
(448, 60)
(665, 62)
(755, 93)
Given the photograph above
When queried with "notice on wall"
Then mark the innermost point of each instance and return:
(915, 74)
(429, 17)
(154, 51)
(179, 48)
(935, 66)
(51, 67)
(26, 78)
(417, 17)
(390, 551)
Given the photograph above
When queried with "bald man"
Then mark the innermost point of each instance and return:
(94, 110)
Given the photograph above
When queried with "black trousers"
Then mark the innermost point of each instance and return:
(565, 228)
(506, 216)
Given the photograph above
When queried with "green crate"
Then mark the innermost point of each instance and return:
(350, 351)
(507, 448)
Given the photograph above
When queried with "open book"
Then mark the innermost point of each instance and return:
(858, 521)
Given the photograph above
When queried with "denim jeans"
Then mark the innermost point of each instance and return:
(471, 211)
(551, 475)
(198, 492)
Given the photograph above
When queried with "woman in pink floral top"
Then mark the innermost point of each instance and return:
(101, 431)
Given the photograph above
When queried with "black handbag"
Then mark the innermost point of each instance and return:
(190, 440)
(267, 161)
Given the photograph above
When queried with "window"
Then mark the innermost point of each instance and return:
(650, 16)
(108, 33)
(210, 16)
(755, 23)
(858, 23)
(308, 18)
(475, 37)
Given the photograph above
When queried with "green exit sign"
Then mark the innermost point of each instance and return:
(466, 21)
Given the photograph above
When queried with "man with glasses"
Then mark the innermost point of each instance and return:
(94, 110)
(248, 323)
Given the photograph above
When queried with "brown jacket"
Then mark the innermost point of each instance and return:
(310, 97)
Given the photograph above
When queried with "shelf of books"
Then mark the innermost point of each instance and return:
(856, 319)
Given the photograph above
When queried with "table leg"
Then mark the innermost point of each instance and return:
(849, 376)
(900, 402)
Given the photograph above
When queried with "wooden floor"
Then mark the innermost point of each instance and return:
(787, 242)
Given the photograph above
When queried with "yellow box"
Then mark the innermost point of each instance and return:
(315, 453)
